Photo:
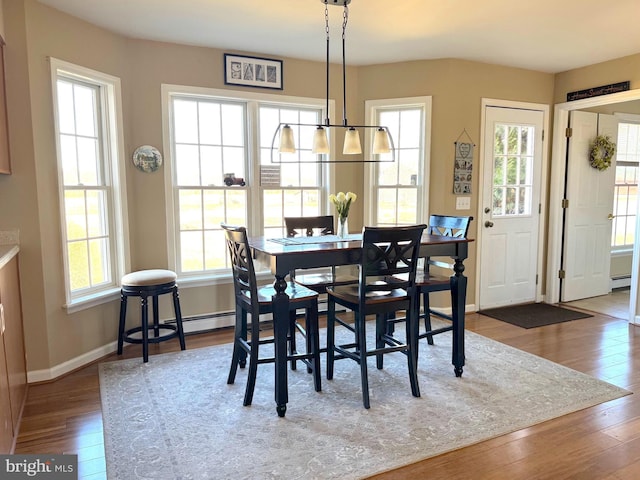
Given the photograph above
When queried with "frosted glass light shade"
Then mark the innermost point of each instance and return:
(351, 142)
(287, 143)
(320, 142)
(381, 142)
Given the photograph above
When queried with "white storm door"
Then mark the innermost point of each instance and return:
(510, 216)
(588, 217)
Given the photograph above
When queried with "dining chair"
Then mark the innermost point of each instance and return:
(429, 282)
(386, 252)
(255, 301)
(317, 280)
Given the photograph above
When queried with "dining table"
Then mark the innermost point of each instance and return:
(288, 254)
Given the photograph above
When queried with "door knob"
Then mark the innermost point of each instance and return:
(488, 224)
(611, 216)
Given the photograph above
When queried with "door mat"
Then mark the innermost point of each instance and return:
(531, 315)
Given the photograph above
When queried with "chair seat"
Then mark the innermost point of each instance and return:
(145, 278)
(296, 293)
(325, 279)
(426, 279)
(349, 294)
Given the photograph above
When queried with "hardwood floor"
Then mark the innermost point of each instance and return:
(601, 442)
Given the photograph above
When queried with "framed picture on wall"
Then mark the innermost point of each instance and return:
(252, 71)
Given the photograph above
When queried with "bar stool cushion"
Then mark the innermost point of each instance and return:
(145, 278)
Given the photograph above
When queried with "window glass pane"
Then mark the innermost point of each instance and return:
(233, 125)
(85, 110)
(499, 146)
(185, 124)
(214, 211)
(407, 203)
(209, 123)
(75, 214)
(88, 161)
(272, 201)
(66, 116)
(512, 139)
(236, 206)
(187, 165)
(292, 203)
(498, 201)
(408, 164)
(215, 243)
(190, 209)
(69, 160)
(411, 123)
(96, 207)
(311, 203)
(98, 251)
(233, 160)
(387, 206)
(211, 166)
(191, 251)
(498, 171)
(388, 173)
(78, 265)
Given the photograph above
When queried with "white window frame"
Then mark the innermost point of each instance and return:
(113, 158)
(168, 91)
(370, 192)
(621, 250)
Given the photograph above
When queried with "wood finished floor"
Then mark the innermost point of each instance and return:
(601, 442)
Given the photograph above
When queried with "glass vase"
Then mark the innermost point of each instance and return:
(343, 227)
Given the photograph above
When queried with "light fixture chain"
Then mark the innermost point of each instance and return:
(345, 19)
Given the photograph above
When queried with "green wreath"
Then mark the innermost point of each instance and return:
(601, 152)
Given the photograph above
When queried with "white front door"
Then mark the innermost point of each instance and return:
(510, 210)
(588, 216)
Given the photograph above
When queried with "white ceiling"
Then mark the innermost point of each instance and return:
(544, 35)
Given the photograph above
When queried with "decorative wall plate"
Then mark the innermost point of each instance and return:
(147, 158)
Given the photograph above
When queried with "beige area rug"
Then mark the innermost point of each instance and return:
(176, 418)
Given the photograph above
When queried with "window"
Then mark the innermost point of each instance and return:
(398, 189)
(513, 156)
(213, 135)
(89, 140)
(626, 186)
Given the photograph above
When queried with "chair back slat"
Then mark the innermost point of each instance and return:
(387, 252)
(244, 274)
(309, 226)
(447, 226)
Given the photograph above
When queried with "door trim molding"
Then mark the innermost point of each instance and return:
(556, 192)
(492, 102)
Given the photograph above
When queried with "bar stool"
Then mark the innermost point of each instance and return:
(145, 284)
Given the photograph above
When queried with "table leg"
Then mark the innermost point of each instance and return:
(458, 301)
(281, 328)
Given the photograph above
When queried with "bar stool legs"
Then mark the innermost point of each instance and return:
(145, 284)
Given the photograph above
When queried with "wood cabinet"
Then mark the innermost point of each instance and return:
(13, 371)
(5, 162)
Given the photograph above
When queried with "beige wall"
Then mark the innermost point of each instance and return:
(35, 32)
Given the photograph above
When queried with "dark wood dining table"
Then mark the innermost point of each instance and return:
(287, 254)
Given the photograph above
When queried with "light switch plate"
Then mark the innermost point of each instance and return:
(463, 203)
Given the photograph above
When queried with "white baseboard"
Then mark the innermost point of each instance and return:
(620, 282)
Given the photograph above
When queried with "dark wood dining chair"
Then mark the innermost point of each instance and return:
(317, 280)
(386, 252)
(428, 281)
(254, 301)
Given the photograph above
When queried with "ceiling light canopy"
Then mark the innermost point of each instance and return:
(382, 148)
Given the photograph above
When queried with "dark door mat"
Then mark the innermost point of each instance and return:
(531, 315)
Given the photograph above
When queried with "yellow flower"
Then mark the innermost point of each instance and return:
(342, 202)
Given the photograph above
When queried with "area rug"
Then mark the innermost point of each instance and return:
(532, 315)
(175, 417)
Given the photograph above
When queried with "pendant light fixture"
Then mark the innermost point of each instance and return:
(382, 147)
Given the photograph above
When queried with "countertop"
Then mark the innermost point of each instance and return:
(9, 246)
